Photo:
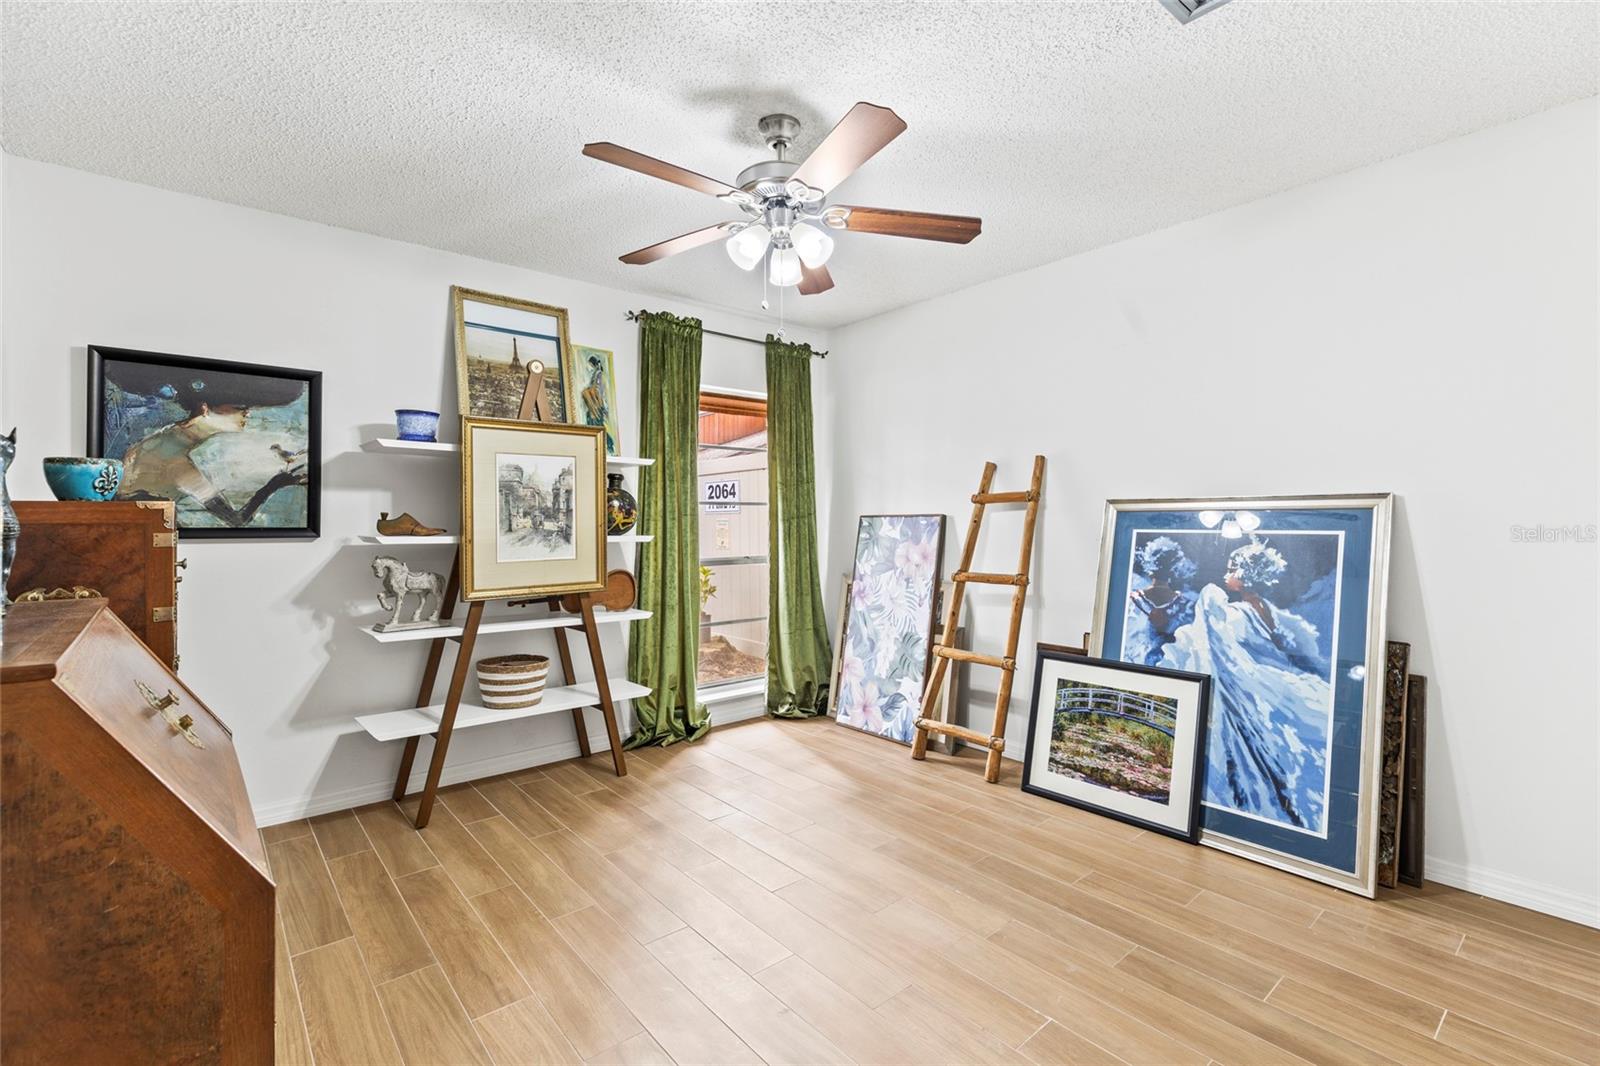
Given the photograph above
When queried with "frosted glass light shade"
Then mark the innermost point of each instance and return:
(747, 246)
(785, 267)
(813, 245)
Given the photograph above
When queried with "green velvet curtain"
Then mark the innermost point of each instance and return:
(798, 652)
(665, 648)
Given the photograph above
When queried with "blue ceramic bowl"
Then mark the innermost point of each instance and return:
(77, 478)
(417, 425)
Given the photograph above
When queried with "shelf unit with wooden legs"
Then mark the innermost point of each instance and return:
(441, 720)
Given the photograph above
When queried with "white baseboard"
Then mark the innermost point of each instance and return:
(358, 795)
(1534, 895)
(510, 762)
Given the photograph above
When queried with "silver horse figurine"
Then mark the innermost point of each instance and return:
(400, 581)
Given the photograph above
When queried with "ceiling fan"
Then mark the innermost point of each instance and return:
(787, 214)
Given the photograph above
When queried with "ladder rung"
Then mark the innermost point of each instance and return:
(989, 579)
(971, 736)
(1003, 497)
(973, 657)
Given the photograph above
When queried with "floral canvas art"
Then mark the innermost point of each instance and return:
(889, 622)
(1280, 602)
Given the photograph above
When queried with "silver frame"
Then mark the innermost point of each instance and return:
(1364, 880)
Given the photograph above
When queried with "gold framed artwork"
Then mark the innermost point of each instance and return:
(513, 358)
(595, 386)
(532, 509)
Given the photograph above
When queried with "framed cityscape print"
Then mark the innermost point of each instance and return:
(1119, 739)
(1282, 601)
(532, 509)
(512, 358)
(889, 619)
(597, 392)
(236, 446)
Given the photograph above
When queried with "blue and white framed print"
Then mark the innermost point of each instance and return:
(1281, 601)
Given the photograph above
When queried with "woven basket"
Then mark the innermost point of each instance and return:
(509, 682)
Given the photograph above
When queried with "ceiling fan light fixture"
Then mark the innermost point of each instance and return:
(811, 244)
(785, 269)
(747, 246)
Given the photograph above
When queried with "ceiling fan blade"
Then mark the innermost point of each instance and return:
(954, 229)
(857, 138)
(683, 243)
(617, 155)
(814, 281)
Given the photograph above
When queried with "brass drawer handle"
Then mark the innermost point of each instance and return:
(164, 705)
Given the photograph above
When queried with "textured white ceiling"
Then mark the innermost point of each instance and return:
(1065, 126)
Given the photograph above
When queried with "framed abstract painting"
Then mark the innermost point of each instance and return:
(1118, 739)
(1282, 601)
(512, 358)
(889, 619)
(597, 392)
(236, 446)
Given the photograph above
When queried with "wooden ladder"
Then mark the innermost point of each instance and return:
(927, 723)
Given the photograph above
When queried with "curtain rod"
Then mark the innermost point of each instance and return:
(633, 316)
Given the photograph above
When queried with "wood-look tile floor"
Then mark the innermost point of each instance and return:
(799, 892)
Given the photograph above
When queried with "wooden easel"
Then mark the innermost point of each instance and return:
(458, 682)
(1007, 664)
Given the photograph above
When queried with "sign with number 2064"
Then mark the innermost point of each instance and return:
(720, 495)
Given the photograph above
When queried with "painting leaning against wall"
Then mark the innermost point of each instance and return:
(1281, 601)
(235, 446)
(513, 360)
(889, 623)
(596, 386)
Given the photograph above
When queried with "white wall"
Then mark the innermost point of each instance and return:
(268, 631)
(1425, 326)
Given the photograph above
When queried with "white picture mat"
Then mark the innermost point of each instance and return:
(1175, 813)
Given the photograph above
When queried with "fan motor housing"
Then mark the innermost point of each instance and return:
(766, 178)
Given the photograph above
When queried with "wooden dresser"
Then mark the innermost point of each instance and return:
(125, 550)
(136, 912)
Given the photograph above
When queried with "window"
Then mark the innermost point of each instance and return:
(733, 539)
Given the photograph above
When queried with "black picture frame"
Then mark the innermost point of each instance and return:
(100, 355)
(1190, 832)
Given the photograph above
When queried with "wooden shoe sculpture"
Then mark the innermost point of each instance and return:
(404, 526)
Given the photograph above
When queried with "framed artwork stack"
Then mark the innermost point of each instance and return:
(1282, 602)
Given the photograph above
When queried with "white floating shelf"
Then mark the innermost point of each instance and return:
(423, 447)
(503, 625)
(428, 447)
(631, 538)
(421, 721)
(379, 538)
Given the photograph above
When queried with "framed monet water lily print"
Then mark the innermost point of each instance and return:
(1121, 739)
(889, 618)
(1282, 602)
